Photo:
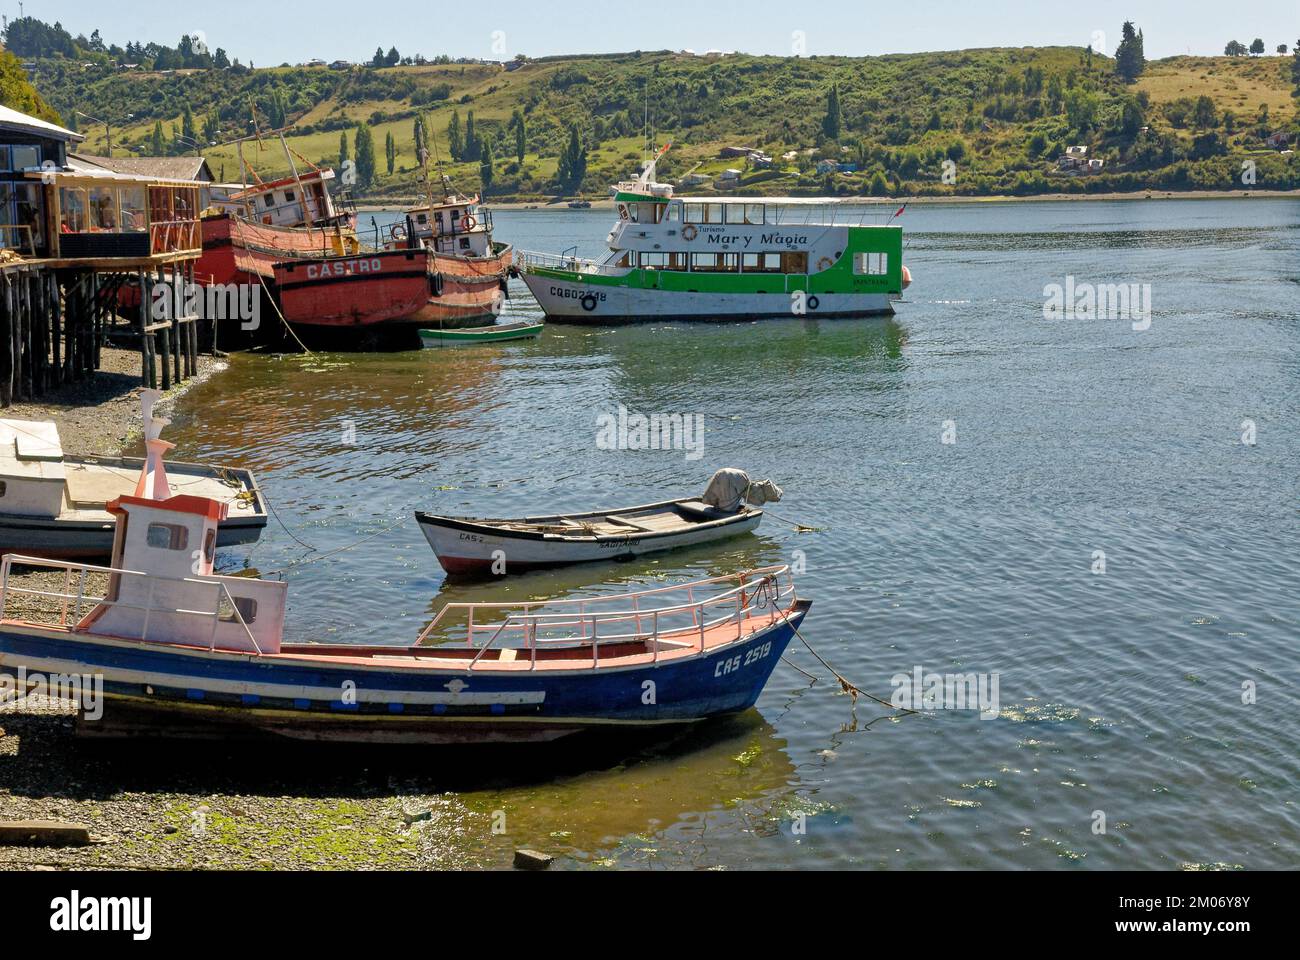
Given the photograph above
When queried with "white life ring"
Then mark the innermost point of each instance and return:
(397, 231)
(689, 232)
(825, 263)
(468, 223)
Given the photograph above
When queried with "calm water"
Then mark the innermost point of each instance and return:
(1119, 692)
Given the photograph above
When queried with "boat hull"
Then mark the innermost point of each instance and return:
(388, 287)
(576, 301)
(490, 334)
(300, 696)
(467, 549)
(90, 539)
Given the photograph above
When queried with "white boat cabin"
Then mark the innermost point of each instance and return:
(459, 226)
(297, 201)
(162, 588)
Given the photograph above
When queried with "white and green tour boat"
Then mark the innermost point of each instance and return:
(725, 258)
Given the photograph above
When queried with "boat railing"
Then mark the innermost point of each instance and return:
(224, 607)
(690, 623)
(527, 259)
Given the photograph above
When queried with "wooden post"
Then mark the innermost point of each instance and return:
(6, 351)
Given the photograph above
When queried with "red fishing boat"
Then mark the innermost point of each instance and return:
(371, 299)
(472, 267)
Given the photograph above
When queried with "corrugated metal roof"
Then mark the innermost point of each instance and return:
(20, 121)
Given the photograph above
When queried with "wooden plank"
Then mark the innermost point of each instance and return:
(43, 833)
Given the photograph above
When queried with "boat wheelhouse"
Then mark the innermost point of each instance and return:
(457, 226)
(723, 258)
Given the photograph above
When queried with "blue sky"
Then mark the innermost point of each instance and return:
(269, 32)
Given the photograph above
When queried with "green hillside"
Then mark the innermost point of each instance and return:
(1001, 117)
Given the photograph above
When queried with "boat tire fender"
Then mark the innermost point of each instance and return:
(812, 302)
(588, 302)
(435, 284)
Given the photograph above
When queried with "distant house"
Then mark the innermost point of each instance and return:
(314, 62)
(1278, 140)
(790, 156)
(760, 160)
(827, 166)
(1095, 165)
(1073, 157)
(727, 152)
(730, 174)
(341, 65)
(514, 64)
(694, 180)
(847, 167)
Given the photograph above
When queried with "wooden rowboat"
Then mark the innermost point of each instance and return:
(471, 547)
(493, 333)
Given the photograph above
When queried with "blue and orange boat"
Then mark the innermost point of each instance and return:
(174, 647)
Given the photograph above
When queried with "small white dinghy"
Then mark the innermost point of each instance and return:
(478, 547)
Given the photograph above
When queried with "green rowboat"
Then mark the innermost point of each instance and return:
(519, 330)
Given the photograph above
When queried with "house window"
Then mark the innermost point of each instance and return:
(103, 210)
(245, 608)
(72, 210)
(167, 536)
(133, 219)
(25, 157)
(871, 264)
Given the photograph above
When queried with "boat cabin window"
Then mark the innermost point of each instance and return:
(3, 487)
(761, 262)
(269, 200)
(210, 545)
(167, 536)
(654, 261)
(245, 607)
(872, 264)
(674, 212)
(288, 196)
(794, 262)
(625, 260)
(736, 213)
(679, 261)
(715, 262)
(705, 213)
(464, 243)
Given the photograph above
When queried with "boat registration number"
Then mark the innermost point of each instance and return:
(732, 664)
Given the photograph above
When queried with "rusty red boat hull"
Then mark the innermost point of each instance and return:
(385, 288)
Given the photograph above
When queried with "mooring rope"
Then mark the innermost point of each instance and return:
(852, 689)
